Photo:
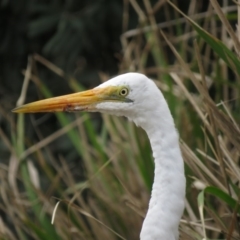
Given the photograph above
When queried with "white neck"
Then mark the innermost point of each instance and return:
(167, 198)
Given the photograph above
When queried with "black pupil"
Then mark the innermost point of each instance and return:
(124, 92)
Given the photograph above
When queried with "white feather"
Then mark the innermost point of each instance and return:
(150, 111)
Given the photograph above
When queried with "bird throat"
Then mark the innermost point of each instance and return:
(168, 191)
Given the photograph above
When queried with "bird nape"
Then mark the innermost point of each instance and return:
(136, 97)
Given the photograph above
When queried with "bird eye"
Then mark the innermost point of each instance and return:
(123, 92)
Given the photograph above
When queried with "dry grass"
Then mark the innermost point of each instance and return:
(202, 89)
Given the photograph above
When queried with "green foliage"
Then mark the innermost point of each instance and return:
(231, 202)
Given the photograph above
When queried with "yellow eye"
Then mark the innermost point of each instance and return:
(123, 92)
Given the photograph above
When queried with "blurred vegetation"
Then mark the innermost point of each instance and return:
(100, 167)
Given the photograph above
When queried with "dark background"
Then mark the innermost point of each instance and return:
(77, 36)
(80, 37)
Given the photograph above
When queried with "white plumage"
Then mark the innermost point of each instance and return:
(150, 111)
(136, 97)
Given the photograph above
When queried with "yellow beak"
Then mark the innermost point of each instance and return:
(72, 102)
(82, 101)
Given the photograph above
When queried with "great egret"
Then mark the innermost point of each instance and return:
(136, 97)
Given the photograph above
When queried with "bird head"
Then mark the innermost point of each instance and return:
(128, 95)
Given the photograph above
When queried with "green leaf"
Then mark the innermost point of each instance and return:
(201, 208)
(42, 25)
(216, 192)
(43, 232)
(200, 199)
(219, 47)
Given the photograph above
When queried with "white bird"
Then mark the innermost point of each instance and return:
(136, 97)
